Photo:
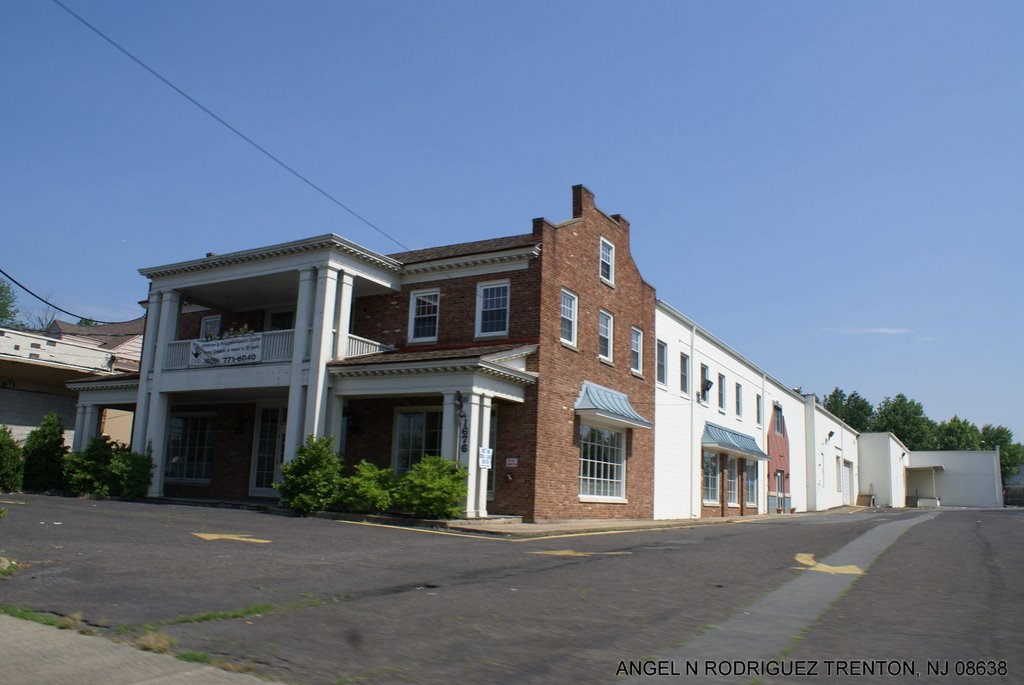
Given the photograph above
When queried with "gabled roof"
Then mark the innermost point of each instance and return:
(107, 335)
(482, 359)
(465, 249)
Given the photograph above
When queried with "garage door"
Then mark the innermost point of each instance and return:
(847, 482)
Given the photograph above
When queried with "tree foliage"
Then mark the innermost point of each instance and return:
(44, 452)
(1011, 454)
(434, 488)
(311, 482)
(8, 305)
(853, 409)
(369, 489)
(12, 463)
(905, 418)
(957, 434)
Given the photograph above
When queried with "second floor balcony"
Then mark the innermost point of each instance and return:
(271, 347)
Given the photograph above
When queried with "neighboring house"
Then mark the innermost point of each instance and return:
(541, 361)
(123, 341)
(35, 367)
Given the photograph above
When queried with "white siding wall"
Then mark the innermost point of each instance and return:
(968, 479)
(824, 481)
(882, 462)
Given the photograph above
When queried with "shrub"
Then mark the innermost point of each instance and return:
(12, 463)
(369, 489)
(433, 488)
(312, 481)
(131, 472)
(44, 452)
(88, 472)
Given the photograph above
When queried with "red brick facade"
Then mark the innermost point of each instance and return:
(723, 508)
(778, 450)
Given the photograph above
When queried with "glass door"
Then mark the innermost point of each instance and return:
(269, 451)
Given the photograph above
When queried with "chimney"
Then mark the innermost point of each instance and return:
(582, 201)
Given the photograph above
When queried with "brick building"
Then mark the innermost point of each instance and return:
(536, 347)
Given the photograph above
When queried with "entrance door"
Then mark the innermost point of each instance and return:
(268, 453)
(847, 482)
(780, 490)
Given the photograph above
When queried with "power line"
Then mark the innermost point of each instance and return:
(52, 305)
(228, 126)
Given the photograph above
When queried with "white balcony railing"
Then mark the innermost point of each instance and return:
(358, 347)
(276, 346)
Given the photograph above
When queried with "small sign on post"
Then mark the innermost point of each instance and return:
(485, 457)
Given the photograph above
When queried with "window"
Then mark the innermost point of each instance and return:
(779, 420)
(605, 327)
(417, 434)
(760, 410)
(705, 383)
(424, 308)
(189, 448)
(721, 391)
(710, 482)
(280, 320)
(732, 481)
(209, 329)
(739, 400)
(569, 305)
(684, 373)
(492, 309)
(662, 370)
(607, 262)
(636, 350)
(602, 462)
(750, 486)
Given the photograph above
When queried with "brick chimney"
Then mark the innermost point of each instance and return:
(582, 200)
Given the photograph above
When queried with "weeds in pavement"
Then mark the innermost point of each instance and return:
(195, 657)
(244, 612)
(161, 643)
(26, 615)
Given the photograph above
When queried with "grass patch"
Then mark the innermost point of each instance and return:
(195, 657)
(161, 643)
(7, 567)
(244, 612)
(26, 615)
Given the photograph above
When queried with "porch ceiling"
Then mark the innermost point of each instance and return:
(236, 395)
(269, 290)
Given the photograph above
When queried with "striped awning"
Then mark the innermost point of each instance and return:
(731, 442)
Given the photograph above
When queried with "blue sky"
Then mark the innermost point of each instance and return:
(836, 189)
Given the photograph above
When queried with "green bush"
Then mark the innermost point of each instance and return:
(12, 463)
(44, 452)
(369, 489)
(312, 481)
(88, 472)
(433, 488)
(132, 473)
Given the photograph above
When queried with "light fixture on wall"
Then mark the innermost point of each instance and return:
(830, 434)
(706, 385)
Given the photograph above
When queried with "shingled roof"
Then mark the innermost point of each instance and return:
(108, 336)
(465, 249)
(426, 355)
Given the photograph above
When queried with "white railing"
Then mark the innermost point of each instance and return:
(276, 347)
(357, 346)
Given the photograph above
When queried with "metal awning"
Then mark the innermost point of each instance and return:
(730, 441)
(609, 406)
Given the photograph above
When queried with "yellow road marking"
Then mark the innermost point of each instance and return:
(812, 565)
(228, 536)
(573, 553)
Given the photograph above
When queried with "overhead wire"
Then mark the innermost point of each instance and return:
(15, 281)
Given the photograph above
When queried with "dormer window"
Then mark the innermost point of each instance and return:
(607, 262)
(424, 310)
(492, 309)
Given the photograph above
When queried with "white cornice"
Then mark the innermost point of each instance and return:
(420, 368)
(472, 261)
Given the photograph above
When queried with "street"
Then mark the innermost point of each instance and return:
(319, 601)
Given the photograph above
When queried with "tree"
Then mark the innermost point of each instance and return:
(1011, 454)
(86, 322)
(8, 305)
(906, 419)
(44, 452)
(853, 408)
(957, 434)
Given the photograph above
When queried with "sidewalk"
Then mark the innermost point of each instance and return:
(34, 654)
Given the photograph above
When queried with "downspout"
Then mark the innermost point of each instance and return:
(696, 487)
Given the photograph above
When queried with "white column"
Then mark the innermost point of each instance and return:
(485, 442)
(449, 429)
(92, 423)
(303, 312)
(342, 316)
(78, 445)
(337, 422)
(149, 342)
(469, 443)
(159, 403)
(320, 351)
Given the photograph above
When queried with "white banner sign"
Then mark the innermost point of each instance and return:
(485, 457)
(241, 349)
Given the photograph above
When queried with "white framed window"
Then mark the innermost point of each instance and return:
(189, 447)
(282, 319)
(570, 306)
(417, 435)
(760, 410)
(684, 373)
(636, 350)
(661, 372)
(705, 383)
(424, 314)
(750, 484)
(739, 400)
(492, 308)
(709, 467)
(721, 392)
(732, 481)
(607, 262)
(209, 328)
(602, 462)
(780, 420)
(605, 330)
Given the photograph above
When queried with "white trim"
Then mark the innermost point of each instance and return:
(412, 314)
(661, 359)
(611, 336)
(639, 368)
(593, 499)
(611, 261)
(480, 287)
(575, 317)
